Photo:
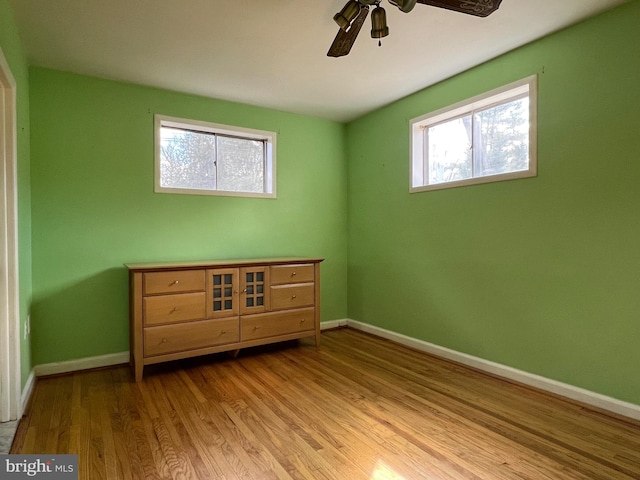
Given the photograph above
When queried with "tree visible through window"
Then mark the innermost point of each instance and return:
(212, 159)
(488, 138)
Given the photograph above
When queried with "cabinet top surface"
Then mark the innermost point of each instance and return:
(219, 263)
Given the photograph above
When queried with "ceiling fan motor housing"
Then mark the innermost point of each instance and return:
(404, 5)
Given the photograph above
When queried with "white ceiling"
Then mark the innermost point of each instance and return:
(272, 53)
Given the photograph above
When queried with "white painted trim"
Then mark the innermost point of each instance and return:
(587, 397)
(27, 391)
(270, 138)
(417, 180)
(81, 364)
(333, 324)
(581, 395)
(87, 363)
(9, 296)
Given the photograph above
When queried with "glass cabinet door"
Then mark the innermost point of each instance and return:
(254, 290)
(222, 292)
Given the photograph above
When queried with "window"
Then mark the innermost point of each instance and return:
(209, 159)
(488, 138)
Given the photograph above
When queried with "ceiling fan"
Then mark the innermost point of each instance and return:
(355, 12)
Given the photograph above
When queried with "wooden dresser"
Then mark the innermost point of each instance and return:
(185, 309)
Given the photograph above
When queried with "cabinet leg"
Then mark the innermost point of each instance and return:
(234, 353)
(138, 371)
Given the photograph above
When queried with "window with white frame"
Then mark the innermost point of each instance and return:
(487, 138)
(195, 157)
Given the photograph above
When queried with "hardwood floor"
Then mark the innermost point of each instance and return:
(357, 408)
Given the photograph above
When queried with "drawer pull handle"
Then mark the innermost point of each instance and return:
(175, 282)
(164, 340)
(293, 296)
(174, 309)
(302, 321)
(293, 274)
(223, 332)
(256, 327)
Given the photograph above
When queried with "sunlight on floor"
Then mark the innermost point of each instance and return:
(383, 472)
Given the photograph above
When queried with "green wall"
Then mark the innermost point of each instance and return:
(14, 54)
(94, 207)
(539, 274)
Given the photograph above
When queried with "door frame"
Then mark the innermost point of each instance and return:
(10, 388)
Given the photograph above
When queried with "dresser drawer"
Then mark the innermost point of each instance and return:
(189, 336)
(184, 309)
(174, 308)
(264, 325)
(292, 296)
(174, 282)
(281, 274)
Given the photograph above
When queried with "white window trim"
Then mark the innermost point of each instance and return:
(269, 137)
(416, 171)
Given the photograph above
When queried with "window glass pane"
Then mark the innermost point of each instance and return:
(502, 138)
(240, 164)
(449, 154)
(488, 138)
(202, 158)
(187, 159)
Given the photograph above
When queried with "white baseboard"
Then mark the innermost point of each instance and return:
(333, 324)
(117, 358)
(27, 391)
(81, 364)
(587, 397)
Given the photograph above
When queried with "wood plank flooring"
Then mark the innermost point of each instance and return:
(357, 408)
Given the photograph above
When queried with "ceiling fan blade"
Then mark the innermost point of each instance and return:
(479, 8)
(344, 40)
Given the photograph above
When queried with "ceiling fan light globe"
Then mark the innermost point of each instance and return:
(345, 16)
(404, 5)
(379, 28)
(380, 33)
